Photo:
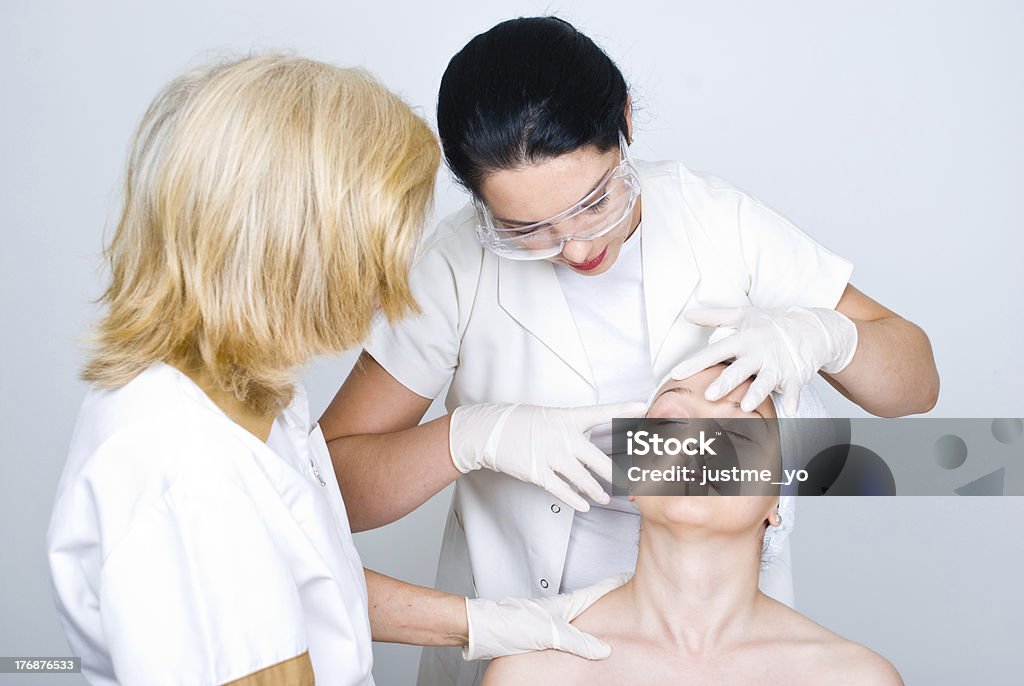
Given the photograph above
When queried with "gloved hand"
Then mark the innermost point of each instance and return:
(542, 445)
(519, 625)
(783, 347)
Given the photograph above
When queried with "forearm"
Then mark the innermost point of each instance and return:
(383, 477)
(893, 370)
(406, 613)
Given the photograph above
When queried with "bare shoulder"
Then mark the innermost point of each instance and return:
(552, 666)
(841, 662)
(852, 663)
(833, 659)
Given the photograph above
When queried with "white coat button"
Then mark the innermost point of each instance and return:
(555, 508)
(543, 583)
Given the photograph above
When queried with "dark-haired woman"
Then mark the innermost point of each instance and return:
(577, 275)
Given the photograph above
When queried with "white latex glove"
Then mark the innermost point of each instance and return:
(520, 625)
(783, 347)
(542, 445)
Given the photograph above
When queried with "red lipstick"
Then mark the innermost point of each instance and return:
(590, 264)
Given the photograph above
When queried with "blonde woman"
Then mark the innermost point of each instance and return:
(271, 208)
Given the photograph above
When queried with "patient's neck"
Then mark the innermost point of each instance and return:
(694, 590)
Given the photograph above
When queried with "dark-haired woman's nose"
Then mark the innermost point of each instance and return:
(577, 251)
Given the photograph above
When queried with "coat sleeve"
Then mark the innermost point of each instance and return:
(196, 592)
(784, 265)
(422, 350)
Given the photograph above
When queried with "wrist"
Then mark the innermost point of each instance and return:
(458, 633)
(464, 466)
(474, 435)
(841, 333)
(471, 648)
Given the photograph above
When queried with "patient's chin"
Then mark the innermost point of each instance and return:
(692, 514)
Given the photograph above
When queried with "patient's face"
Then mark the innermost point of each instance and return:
(686, 399)
(757, 448)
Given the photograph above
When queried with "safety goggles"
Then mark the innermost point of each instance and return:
(604, 210)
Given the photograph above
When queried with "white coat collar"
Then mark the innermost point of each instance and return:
(295, 415)
(670, 270)
(530, 292)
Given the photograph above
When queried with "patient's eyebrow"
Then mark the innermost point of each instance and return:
(756, 411)
(676, 389)
(689, 391)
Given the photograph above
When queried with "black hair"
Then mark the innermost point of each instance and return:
(527, 90)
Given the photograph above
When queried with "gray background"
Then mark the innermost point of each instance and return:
(888, 131)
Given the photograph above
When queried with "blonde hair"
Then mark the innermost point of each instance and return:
(272, 205)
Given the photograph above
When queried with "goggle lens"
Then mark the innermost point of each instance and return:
(603, 211)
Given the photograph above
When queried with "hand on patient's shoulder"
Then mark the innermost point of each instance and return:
(837, 663)
(789, 647)
(559, 667)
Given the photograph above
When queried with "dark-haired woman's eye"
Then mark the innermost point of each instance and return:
(532, 237)
(598, 205)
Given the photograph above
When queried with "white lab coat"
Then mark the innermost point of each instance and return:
(184, 550)
(501, 330)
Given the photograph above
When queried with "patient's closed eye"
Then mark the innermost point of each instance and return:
(669, 421)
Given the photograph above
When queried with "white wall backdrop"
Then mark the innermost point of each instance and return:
(891, 132)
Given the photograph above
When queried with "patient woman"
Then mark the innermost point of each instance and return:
(692, 613)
